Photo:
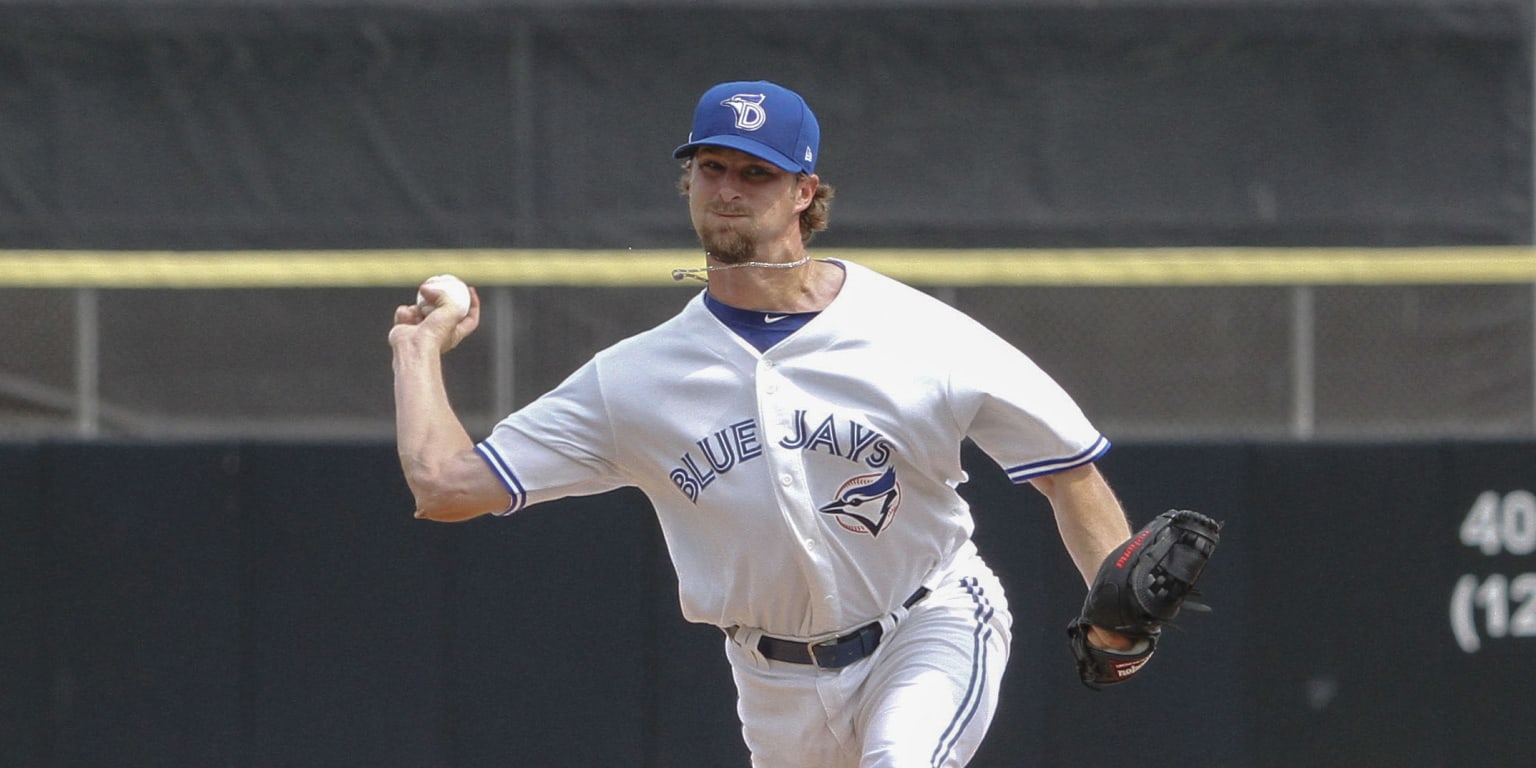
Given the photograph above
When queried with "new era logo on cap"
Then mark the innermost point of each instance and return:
(760, 118)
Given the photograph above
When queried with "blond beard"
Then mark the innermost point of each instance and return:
(728, 246)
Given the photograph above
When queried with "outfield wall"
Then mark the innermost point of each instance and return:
(270, 604)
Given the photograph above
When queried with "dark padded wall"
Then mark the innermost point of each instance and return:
(26, 717)
(268, 604)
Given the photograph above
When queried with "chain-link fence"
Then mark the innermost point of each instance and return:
(1145, 361)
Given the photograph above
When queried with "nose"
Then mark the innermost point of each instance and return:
(729, 189)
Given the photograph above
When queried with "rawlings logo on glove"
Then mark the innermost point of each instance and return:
(1139, 587)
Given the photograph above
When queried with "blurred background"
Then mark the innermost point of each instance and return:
(1291, 276)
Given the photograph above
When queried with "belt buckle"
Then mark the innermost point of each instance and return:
(810, 648)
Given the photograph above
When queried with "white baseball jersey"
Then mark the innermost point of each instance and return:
(810, 488)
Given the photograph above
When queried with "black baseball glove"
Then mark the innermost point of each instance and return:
(1141, 585)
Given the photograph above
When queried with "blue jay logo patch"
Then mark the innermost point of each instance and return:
(866, 504)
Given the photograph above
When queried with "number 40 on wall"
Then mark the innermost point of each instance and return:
(1496, 524)
(1501, 523)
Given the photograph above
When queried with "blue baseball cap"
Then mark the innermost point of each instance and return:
(760, 118)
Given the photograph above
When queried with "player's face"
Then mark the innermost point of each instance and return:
(740, 203)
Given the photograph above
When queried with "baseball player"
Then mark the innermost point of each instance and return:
(797, 427)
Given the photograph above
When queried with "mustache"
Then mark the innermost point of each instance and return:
(730, 210)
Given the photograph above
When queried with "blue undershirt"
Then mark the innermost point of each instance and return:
(760, 329)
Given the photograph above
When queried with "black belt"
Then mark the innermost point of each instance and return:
(837, 652)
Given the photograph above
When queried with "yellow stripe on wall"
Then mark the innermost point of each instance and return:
(973, 267)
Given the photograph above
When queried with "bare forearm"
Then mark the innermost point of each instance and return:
(1092, 523)
(426, 428)
(445, 474)
(1089, 517)
(436, 453)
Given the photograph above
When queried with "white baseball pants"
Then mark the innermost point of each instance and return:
(923, 699)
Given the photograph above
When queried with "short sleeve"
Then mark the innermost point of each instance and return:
(1018, 414)
(559, 445)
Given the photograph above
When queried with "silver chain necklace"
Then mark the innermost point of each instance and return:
(679, 274)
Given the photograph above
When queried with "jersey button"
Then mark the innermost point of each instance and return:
(786, 480)
(810, 545)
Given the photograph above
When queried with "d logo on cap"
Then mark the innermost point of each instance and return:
(750, 114)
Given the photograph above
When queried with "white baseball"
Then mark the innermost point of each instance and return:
(455, 294)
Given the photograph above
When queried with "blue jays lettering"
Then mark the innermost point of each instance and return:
(864, 503)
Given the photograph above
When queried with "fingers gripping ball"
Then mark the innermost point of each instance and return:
(453, 294)
(1139, 587)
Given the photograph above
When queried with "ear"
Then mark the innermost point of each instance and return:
(805, 190)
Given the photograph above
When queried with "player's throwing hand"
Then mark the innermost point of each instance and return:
(418, 324)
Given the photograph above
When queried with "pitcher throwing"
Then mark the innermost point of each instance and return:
(797, 427)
